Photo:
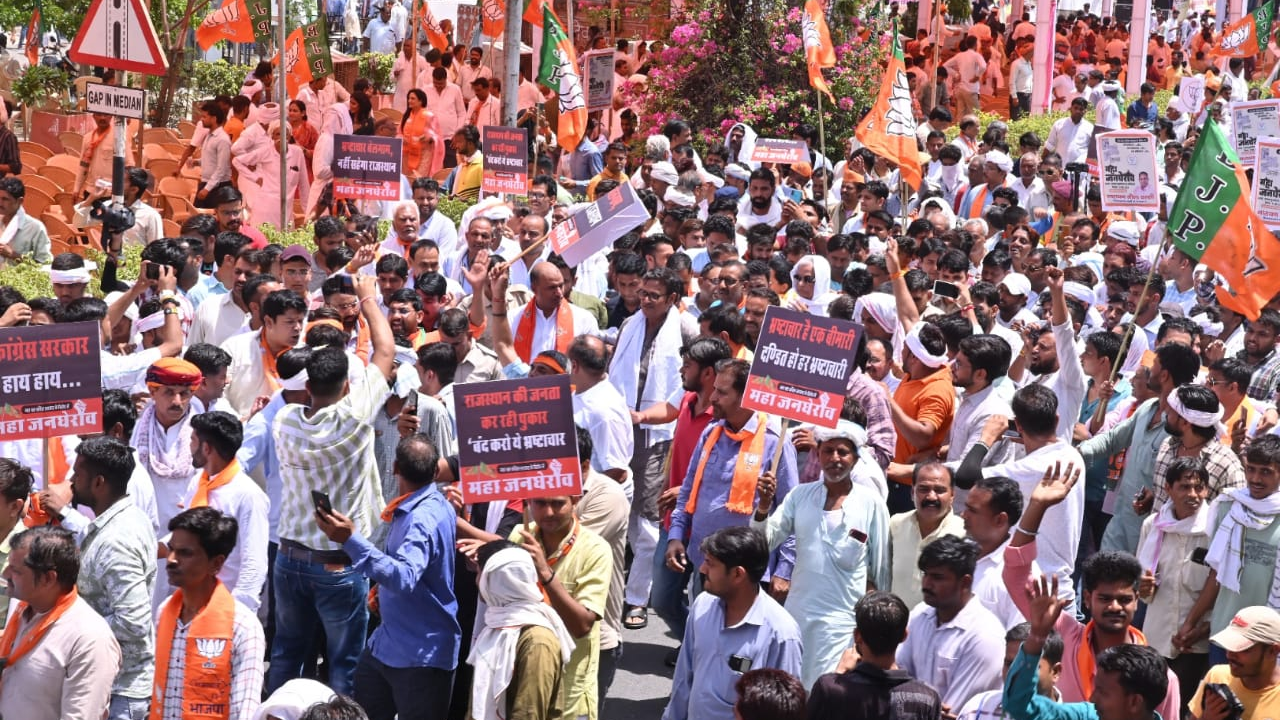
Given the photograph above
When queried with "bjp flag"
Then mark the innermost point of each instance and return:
(230, 22)
(493, 18)
(33, 34)
(1248, 36)
(306, 56)
(559, 71)
(431, 26)
(889, 130)
(818, 52)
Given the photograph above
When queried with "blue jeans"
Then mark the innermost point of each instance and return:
(666, 595)
(307, 595)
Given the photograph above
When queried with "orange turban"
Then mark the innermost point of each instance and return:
(172, 371)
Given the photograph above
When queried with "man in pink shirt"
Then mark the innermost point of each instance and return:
(444, 100)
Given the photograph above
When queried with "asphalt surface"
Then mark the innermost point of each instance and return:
(643, 683)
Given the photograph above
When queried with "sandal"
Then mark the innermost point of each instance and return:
(636, 617)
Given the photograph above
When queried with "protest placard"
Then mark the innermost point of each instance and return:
(1251, 120)
(1191, 92)
(51, 380)
(599, 67)
(596, 226)
(516, 439)
(782, 152)
(1266, 182)
(1128, 179)
(366, 167)
(802, 365)
(506, 160)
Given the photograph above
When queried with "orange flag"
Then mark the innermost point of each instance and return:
(1247, 36)
(493, 18)
(230, 22)
(33, 34)
(435, 35)
(818, 52)
(533, 12)
(889, 129)
(559, 71)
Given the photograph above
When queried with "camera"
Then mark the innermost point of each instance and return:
(1235, 709)
(114, 218)
(1077, 167)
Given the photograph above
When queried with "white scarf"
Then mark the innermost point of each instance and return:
(663, 377)
(11, 229)
(160, 459)
(822, 295)
(1226, 551)
(509, 586)
(1165, 522)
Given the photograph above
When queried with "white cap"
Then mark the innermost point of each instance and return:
(1016, 284)
(664, 171)
(1124, 230)
(999, 159)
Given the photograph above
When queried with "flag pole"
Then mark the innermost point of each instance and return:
(282, 85)
(413, 38)
(937, 51)
(822, 147)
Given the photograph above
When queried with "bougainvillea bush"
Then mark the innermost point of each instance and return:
(727, 62)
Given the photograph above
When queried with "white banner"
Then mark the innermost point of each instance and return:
(1266, 181)
(1251, 120)
(1042, 68)
(1140, 28)
(599, 74)
(1127, 171)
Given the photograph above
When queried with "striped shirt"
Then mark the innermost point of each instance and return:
(248, 646)
(331, 451)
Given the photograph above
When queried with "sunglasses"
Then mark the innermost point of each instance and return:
(806, 279)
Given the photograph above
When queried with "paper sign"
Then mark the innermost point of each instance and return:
(516, 439)
(366, 167)
(506, 160)
(782, 152)
(1266, 182)
(51, 380)
(1127, 177)
(599, 67)
(595, 227)
(1191, 91)
(802, 365)
(1251, 120)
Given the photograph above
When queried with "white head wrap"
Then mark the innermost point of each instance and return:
(295, 383)
(737, 172)
(509, 587)
(268, 113)
(292, 699)
(76, 276)
(131, 312)
(151, 322)
(922, 354)
(1199, 418)
(844, 430)
(748, 142)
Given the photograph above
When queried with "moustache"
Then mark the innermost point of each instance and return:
(931, 504)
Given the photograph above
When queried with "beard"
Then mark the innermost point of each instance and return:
(761, 203)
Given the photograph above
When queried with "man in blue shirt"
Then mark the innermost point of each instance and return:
(411, 656)
(1142, 113)
(1131, 680)
(733, 627)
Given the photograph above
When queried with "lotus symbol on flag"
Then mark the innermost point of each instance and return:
(567, 84)
(899, 119)
(492, 10)
(809, 31)
(1255, 263)
(1237, 37)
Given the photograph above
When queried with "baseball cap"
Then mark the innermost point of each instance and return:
(295, 252)
(1016, 284)
(1250, 626)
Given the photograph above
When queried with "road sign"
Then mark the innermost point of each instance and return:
(114, 100)
(118, 34)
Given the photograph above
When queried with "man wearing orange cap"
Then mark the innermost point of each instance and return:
(162, 435)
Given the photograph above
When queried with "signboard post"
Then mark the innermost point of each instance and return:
(506, 160)
(593, 228)
(51, 380)
(802, 366)
(115, 100)
(517, 440)
(780, 152)
(599, 72)
(366, 167)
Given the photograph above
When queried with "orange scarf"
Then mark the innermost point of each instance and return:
(57, 471)
(269, 363)
(363, 340)
(10, 655)
(1085, 661)
(389, 511)
(94, 141)
(524, 332)
(746, 471)
(561, 553)
(208, 484)
(206, 678)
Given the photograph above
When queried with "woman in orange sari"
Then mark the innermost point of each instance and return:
(302, 132)
(418, 127)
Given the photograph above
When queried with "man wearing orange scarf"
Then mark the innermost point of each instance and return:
(549, 322)
(99, 151)
(253, 354)
(209, 646)
(1110, 592)
(719, 489)
(60, 658)
(223, 486)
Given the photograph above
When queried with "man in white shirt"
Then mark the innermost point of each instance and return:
(253, 373)
(968, 66)
(219, 318)
(954, 644)
(1069, 137)
(1020, 77)
(910, 532)
(600, 408)
(405, 71)
(484, 109)
(1066, 88)
(1031, 190)
(380, 35)
(470, 71)
(1107, 111)
(991, 510)
(1053, 359)
(444, 100)
(215, 153)
(543, 323)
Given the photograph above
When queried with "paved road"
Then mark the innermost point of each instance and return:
(643, 682)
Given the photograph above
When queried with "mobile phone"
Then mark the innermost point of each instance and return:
(794, 194)
(740, 664)
(321, 501)
(153, 271)
(410, 404)
(1198, 555)
(946, 289)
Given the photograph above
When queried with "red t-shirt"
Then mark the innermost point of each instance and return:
(684, 442)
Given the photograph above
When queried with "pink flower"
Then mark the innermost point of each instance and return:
(845, 103)
(791, 43)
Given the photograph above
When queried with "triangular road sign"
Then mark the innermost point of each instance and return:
(118, 34)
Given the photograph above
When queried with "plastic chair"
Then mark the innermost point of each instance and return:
(31, 160)
(171, 228)
(35, 148)
(44, 184)
(70, 163)
(72, 143)
(37, 202)
(180, 208)
(159, 135)
(162, 167)
(186, 129)
(61, 176)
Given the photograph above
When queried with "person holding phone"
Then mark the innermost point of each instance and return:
(328, 445)
(720, 644)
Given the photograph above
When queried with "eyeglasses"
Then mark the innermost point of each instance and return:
(1048, 172)
(344, 307)
(651, 296)
(537, 196)
(810, 279)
